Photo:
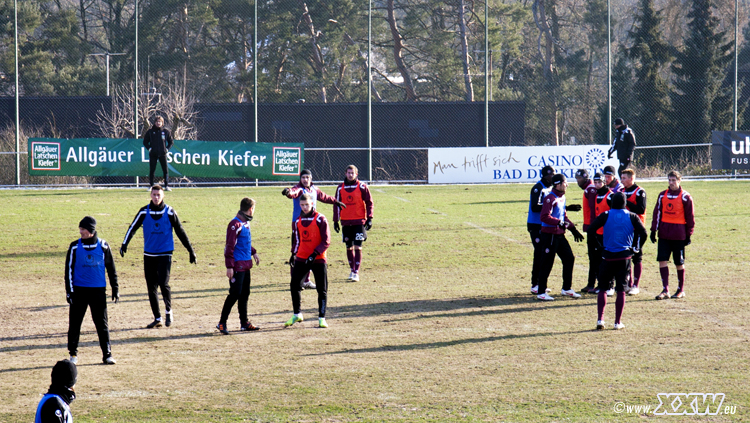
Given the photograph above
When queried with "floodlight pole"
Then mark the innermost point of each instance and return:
(106, 55)
(736, 57)
(369, 90)
(486, 74)
(18, 119)
(136, 90)
(255, 69)
(609, 71)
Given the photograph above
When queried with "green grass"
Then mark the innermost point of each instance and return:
(441, 327)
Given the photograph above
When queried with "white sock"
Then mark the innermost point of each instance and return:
(298, 315)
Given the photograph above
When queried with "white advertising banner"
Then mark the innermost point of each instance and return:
(512, 164)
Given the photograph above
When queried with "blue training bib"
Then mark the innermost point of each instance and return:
(157, 233)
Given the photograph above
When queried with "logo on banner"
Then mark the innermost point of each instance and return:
(287, 160)
(595, 158)
(45, 156)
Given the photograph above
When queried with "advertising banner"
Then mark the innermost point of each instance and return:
(128, 157)
(730, 150)
(512, 164)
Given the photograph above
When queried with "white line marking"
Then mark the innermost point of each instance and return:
(491, 232)
(402, 199)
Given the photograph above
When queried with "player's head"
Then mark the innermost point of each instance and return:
(582, 177)
(609, 174)
(559, 182)
(247, 206)
(547, 173)
(87, 227)
(64, 374)
(306, 203)
(598, 180)
(674, 180)
(159, 122)
(619, 122)
(351, 173)
(305, 178)
(157, 194)
(628, 177)
(618, 200)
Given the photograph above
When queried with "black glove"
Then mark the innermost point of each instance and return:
(653, 237)
(311, 259)
(291, 261)
(285, 191)
(609, 155)
(573, 207)
(336, 227)
(577, 236)
(116, 295)
(368, 224)
(123, 250)
(687, 240)
(193, 259)
(68, 299)
(340, 204)
(561, 224)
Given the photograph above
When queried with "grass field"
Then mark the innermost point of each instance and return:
(441, 327)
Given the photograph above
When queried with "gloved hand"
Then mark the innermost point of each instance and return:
(368, 224)
(687, 240)
(340, 204)
(193, 259)
(291, 261)
(311, 259)
(573, 207)
(609, 155)
(123, 250)
(336, 227)
(69, 299)
(116, 295)
(285, 191)
(562, 224)
(577, 236)
(653, 237)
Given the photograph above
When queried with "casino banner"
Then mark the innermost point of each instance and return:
(730, 150)
(512, 164)
(128, 157)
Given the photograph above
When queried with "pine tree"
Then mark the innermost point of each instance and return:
(650, 54)
(699, 99)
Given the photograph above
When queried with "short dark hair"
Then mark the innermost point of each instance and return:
(305, 197)
(247, 204)
(156, 187)
(630, 172)
(676, 174)
(353, 168)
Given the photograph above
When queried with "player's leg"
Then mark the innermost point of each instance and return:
(242, 302)
(295, 287)
(152, 159)
(568, 261)
(98, 304)
(165, 269)
(663, 251)
(636, 271)
(678, 257)
(165, 170)
(75, 317)
(622, 275)
(235, 289)
(547, 250)
(150, 267)
(606, 272)
(592, 247)
(320, 271)
(534, 234)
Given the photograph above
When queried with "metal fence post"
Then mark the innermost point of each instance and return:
(486, 74)
(369, 90)
(18, 119)
(736, 57)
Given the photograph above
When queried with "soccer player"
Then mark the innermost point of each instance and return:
(356, 217)
(534, 221)
(601, 205)
(55, 404)
(311, 238)
(87, 260)
(238, 259)
(158, 141)
(636, 203)
(552, 239)
(610, 179)
(623, 233)
(158, 220)
(306, 186)
(674, 220)
(589, 214)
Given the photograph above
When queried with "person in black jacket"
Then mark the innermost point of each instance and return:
(624, 144)
(534, 222)
(158, 141)
(85, 286)
(158, 221)
(54, 406)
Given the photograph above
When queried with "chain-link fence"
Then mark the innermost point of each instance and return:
(444, 74)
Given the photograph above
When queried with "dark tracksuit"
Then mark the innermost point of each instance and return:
(158, 141)
(85, 285)
(589, 199)
(638, 207)
(534, 223)
(158, 221)
(54, 407)
(553, 241)
(238, 255)
(624, 144)
(313, 224)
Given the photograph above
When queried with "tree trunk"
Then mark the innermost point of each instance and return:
(465, 50)
(548, 71)
(398, 46)
(317, 55)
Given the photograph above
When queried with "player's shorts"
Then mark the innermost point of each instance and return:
(353, 235)
(675, 248)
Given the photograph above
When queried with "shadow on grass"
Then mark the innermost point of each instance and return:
(443, 344)
(493, 202)
(35, 255)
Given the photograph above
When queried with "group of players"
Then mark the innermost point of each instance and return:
(614, 218)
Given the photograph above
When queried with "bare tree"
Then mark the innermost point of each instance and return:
(464, 49)
(398, 46)
(316, 55)
(178, 107)
(118, 121)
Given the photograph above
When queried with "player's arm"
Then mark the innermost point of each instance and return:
(295, 238)
(70, 262)
(147, 140)
(367, 198)
(336, 209)
(134, 226)
(639, 230)
(598, 223)
(233, 229)
(325, 234)
(292, 192)
(591, 198)
(546, 213)
(656, 215)
(53, 411)
(689, 207)
(325, 198)
(639, 207)
(535, 198)
(109, 264)
(180, 231)
(170, 141)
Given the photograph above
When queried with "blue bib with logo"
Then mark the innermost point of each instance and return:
(157, 233)
(89, 267)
